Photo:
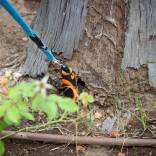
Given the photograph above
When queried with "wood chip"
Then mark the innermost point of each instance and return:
(120, 154)
(98, 115)
(24, 39)
(114, 133)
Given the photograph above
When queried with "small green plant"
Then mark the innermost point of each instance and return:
(25, 98)
(86, 99)
(142, 114)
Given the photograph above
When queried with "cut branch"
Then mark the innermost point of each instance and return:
(86, 140)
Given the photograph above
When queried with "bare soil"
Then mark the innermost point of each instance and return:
(12, 39)
(24, 148)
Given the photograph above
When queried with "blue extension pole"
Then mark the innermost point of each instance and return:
(27, 29)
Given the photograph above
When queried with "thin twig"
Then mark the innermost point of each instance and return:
(46, 124)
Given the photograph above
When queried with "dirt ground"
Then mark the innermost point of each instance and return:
(117, 102)
(12, 39)
(18, 148)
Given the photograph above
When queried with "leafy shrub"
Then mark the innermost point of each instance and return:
(25, 98)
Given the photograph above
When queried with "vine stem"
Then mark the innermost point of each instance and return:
(45, 124)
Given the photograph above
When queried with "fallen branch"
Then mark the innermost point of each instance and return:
(80, 139)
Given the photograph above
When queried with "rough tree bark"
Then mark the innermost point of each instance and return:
(98, 57)
(60, 24)
(140, 45)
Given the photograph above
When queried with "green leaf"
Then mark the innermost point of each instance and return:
(85, 102)
(68, 105)
(50, 109)
(7, 120)
(14, 93)
(22, 106)
(90, 99)
(13, 115)
(37, 102)
(46, 104)
(53, 111)
(86, 98)
(27, 115)
(2, 149)
(2, 125)
(22, 89)
(55, 98)
(4, 106)
(27, 89)
(83, 97)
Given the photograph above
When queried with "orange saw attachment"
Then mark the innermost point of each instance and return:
(69, 82)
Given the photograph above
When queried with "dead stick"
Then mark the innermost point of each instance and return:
(80, 139)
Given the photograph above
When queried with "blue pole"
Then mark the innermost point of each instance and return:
(27, 29)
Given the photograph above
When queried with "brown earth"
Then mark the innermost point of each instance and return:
(12, 39)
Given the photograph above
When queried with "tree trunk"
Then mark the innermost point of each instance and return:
(99, 58)
(99, 54)
(59, 24)
(140, 42)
